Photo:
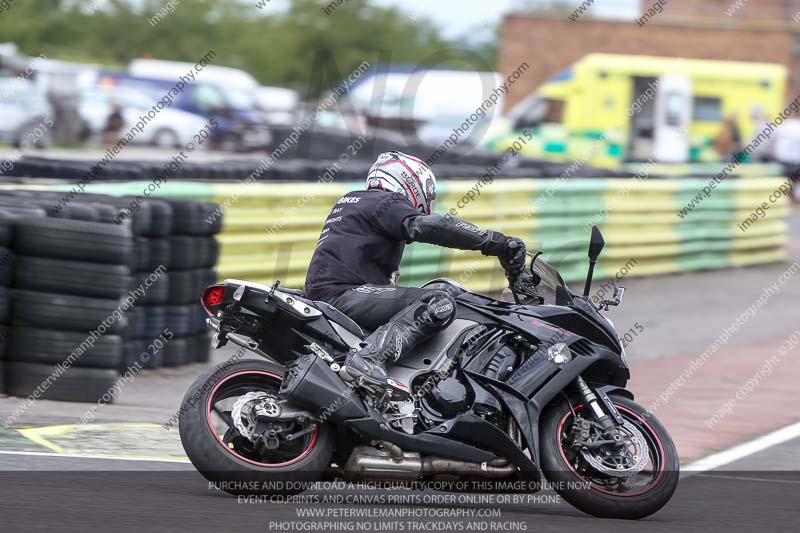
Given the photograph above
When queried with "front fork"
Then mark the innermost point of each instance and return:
(606, 414)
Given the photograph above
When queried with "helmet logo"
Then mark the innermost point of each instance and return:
(430, 189)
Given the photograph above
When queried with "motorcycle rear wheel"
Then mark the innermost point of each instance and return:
(228, 461)
(601, 495)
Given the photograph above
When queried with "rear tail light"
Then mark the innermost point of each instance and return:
(212, 296)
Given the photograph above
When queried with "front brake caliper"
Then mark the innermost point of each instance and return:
(580, 433)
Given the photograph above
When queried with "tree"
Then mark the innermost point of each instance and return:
(281, 49)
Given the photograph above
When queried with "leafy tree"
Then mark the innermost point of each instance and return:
(302, 48)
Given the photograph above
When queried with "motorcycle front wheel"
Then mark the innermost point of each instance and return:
(598, 492)
(215, 446)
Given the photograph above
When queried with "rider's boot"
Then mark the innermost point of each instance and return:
(388, 343)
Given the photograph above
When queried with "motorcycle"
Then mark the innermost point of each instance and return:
(527, 391)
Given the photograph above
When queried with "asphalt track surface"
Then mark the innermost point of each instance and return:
(40, 492)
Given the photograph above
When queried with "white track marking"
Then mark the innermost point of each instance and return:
(741, 451)
(106, 457)
(705, 464)
(740, 478)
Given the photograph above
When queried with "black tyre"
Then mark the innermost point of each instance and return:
(157, 292)
(141, 250)
(200, 348)
(6, 266)
(5, 339)
(136, 321)
(136, 216)
(8, 213)
(195, 218)
(207, 252)
(155, 321)
(5, 305)
(602, 495)
(76, 211)
(37, 345)
(176, 353)
(205, 415)
(2, 377)
(160, 218)
(106, 214)
(71, 313)
(75, 384)
(183, 253)
(158, 254)
(130, 357)
(199, 317)
(73, 239)
(150, 355)
(73, 277)
(180, 319)
(185, 286)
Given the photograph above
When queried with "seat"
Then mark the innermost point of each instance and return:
(445, 284)
(296, 292)
(333, 314)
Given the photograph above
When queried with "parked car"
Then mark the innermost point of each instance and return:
(27, 117)
(239, 129)
(171, 128)
(238, 89)
(279, 105)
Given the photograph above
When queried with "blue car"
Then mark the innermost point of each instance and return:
(238, 128)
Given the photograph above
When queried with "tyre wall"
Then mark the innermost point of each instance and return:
(99, 286)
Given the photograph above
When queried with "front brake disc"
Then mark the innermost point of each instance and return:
(626, 463)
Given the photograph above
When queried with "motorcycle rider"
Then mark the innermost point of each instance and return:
(356, 260)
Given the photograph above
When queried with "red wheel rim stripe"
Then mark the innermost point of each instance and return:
(233, 452)
(626, 495)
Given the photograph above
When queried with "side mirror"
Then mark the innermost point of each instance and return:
(596, 244)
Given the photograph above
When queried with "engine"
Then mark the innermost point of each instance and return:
(443, 396)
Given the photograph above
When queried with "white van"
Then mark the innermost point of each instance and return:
(432, 102)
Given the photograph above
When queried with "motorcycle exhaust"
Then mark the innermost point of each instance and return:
(310, 383)
(371, 464)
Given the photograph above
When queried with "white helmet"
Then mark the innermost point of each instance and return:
(407, 175)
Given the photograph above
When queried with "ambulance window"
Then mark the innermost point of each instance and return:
(707, 109)
(555, 111)
(675, 107)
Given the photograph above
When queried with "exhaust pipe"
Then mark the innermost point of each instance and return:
(310, 384)
(371, 464)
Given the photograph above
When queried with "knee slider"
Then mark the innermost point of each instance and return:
(442, 309)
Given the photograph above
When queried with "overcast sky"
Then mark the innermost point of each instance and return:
(457, 18)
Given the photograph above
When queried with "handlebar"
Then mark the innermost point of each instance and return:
(522, 293)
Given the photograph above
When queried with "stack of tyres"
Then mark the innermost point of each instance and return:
(71, 282)
(10, 209)
(144, 220)
(152, 281)
(193, 253)
(7, 214)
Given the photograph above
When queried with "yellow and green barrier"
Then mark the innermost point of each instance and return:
(270, 231)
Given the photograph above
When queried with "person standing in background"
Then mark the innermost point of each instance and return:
(728, 142)
(114, 124)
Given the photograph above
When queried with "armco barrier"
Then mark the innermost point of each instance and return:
(270, 231)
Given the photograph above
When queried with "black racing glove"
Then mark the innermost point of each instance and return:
(524, 288)
(513, 256)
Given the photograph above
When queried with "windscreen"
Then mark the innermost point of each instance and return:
(550, 280)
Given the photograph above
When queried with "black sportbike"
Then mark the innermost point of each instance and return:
(528, 393)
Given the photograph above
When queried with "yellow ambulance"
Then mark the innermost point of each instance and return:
(608, 108)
